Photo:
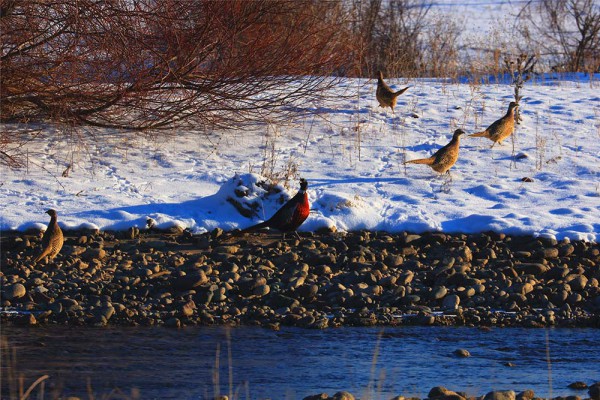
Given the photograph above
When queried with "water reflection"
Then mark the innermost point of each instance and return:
(292, 363)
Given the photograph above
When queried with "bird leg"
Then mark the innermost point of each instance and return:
(447, 182)
(449, 175)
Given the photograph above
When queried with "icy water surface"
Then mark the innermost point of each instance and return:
(292, 363)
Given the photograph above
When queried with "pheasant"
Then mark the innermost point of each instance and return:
(53, 239)
(386, 96)
(502, 128)
(290, 216)
(444, 158)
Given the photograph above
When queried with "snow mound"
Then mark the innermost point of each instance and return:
(346, 212)
(253, 195)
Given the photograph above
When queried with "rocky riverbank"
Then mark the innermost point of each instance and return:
(315, 281)
(442, 393)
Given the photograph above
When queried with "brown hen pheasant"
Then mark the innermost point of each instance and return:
(386, 96)
(443, 159)
(502, 128)
(53, 239)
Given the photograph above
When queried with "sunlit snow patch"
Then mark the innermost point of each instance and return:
(347, 212)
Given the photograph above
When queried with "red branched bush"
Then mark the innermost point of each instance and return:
(148, 64)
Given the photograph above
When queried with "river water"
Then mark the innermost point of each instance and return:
(256, 363)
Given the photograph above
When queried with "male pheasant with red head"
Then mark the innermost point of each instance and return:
(290, 216)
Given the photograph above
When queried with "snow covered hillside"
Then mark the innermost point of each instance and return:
(351, 151)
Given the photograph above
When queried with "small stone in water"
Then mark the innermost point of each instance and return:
(461, 353)
(578, 385)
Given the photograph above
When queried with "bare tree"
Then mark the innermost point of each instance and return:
(568, 31)
(389, 35)
(441, 56)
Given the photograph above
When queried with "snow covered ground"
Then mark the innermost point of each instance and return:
(351, 151)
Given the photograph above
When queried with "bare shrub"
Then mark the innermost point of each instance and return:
(566, 32)
(10, 151)
(521, 70)
(441, 54)
(273, 166)
(483, 53)
(388, 35)
(147, 64)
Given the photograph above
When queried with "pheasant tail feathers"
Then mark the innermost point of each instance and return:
(399, 92)
(255, 227)
(427, 161)
(479, 134)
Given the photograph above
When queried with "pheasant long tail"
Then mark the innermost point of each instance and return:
(427, 161)
(399, 92)
(479, 134)
(44, 254)
(255, 227)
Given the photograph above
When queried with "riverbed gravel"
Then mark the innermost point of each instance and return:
(314, 280)
(443, 393)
